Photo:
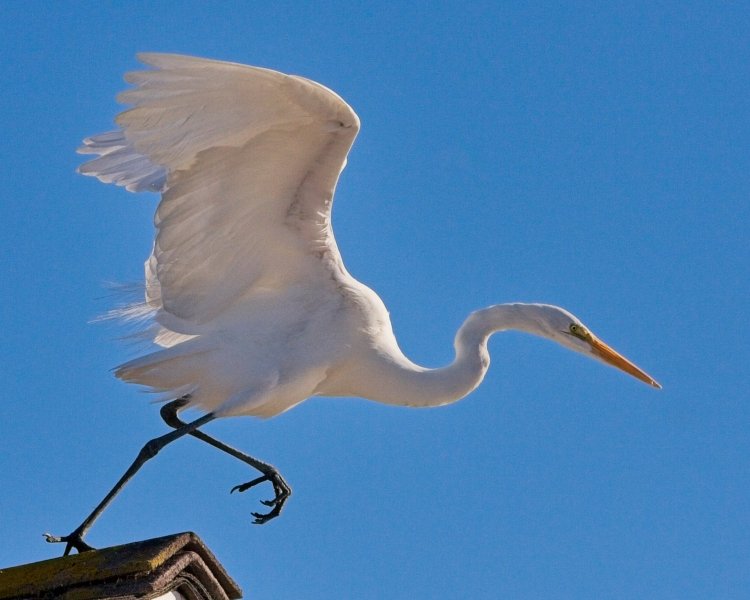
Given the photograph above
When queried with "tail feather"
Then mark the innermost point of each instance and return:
(163, 371)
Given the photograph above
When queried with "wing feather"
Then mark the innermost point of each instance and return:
(247, 160)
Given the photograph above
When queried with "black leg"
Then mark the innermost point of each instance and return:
(269, 472)
(75, 539)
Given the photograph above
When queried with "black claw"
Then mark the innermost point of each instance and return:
(261, 519)
(74, 540)
(246, 486)
(281, 490)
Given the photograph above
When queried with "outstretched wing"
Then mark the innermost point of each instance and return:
(247, 160)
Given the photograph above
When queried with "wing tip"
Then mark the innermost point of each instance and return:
(170, 60)
(166, 60)
(151, 59)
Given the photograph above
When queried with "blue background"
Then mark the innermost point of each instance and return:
(591, 155)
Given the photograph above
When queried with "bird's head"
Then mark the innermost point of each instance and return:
(568, 330)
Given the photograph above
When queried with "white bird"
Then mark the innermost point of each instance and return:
(246, 291)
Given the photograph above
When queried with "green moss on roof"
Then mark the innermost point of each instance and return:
(81, 574)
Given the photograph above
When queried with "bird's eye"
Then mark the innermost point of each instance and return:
(578, 331)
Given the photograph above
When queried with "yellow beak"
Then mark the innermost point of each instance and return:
(616, 359)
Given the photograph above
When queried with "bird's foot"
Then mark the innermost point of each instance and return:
(281, 489)
(73, 540)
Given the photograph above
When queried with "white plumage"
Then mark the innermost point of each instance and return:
(245, 288)
(251, 301)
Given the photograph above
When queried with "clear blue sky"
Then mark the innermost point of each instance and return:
(591, 157)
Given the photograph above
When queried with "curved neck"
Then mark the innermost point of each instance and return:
(396, 380)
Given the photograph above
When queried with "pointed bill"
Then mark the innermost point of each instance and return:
(616, 359)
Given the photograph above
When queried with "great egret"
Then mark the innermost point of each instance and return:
(246, 292)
